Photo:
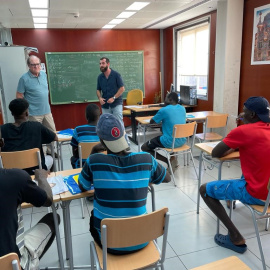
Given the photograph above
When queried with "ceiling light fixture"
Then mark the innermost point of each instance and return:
(39, 3)
(125, 14)
(40, 25)
(40, 20)
(116, 21)
(109, 26)
(40, 12)
(137, 5)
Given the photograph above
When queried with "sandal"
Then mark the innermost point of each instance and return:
(225, 241)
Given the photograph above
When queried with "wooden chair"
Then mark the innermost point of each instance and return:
(124, 232)
(213, 122)
(85, 149)
(180, 131)
(232, 263)
(20, 159)
(259, 212)
(10, 262)
(134, 97)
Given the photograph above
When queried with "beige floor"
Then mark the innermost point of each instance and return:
(191, 236)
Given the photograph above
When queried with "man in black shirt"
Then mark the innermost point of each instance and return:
(16, 187)
(24, 134)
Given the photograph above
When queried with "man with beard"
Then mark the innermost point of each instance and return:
(110, 88)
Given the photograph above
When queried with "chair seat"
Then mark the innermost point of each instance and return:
(142, 258)
(126, 112)
(259, 208)
(211, 136)
(184, 147)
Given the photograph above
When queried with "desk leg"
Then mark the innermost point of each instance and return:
(61, 158)
(58, 153)
(138, 138)
(133, 138)
(66, 208)
(219, 179)
(63, 205)
(58, 240)
(199, 181)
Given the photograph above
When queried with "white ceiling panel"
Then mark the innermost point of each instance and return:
(159, 14)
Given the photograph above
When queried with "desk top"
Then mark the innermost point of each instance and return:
(197, 116)
(207, 148)
(146, 108)
(67, 196)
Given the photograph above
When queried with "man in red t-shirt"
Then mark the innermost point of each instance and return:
(253, 142)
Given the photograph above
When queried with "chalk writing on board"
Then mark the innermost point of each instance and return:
(73, 76)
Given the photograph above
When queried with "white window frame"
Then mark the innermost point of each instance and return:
(193, 24)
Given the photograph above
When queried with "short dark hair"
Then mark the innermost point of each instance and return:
(18, 106)
(92, 112)
(173, 96)
(107, 59)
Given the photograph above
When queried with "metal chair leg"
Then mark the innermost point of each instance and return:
(82, 208)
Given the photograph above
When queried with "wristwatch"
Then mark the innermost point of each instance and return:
(114, 97)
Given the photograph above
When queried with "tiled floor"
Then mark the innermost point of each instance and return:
(191, 236)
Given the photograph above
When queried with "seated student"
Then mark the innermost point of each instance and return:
(17, 187)
(85, 133)
(170, 115)
(253, 141)
(120, 178)
(24, 134)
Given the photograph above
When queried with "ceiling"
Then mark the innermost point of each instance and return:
(159, 14)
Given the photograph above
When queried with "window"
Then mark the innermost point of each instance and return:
(192, 50)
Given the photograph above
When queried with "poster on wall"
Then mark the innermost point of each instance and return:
(260, 54)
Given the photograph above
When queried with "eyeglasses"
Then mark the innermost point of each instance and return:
(35, 65)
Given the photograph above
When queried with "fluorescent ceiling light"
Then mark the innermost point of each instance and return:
(40, 12)
(116, 21)
(40, 20)
(39, 3)
(137, 5)
(125, 14)
(40, 25)
(109, 26)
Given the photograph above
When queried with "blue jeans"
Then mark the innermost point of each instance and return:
(117, 111)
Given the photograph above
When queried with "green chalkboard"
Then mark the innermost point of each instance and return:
(72, 76)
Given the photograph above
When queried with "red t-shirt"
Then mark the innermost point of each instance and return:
(253, 141)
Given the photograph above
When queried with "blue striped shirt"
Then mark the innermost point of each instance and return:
(84, 133)
(121, 184)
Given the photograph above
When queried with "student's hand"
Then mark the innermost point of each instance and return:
(102, 101)
(41, 174)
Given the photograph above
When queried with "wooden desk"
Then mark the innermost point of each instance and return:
(143, 110)
(144, 121)
(66, 199)
(205, 155)
(59, 144)
(232, 263)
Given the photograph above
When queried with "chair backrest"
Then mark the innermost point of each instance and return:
(184, 131)
(216, 121)
(10, 262)
(134, 97)
(85, 149)
(124, 232)
(20, 159)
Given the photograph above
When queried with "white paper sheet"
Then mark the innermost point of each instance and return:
(212, 144)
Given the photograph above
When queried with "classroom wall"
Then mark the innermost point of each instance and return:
(71, 40)
(203, 105)
(254, 79)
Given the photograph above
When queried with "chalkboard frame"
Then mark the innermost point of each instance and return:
(52, 74)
